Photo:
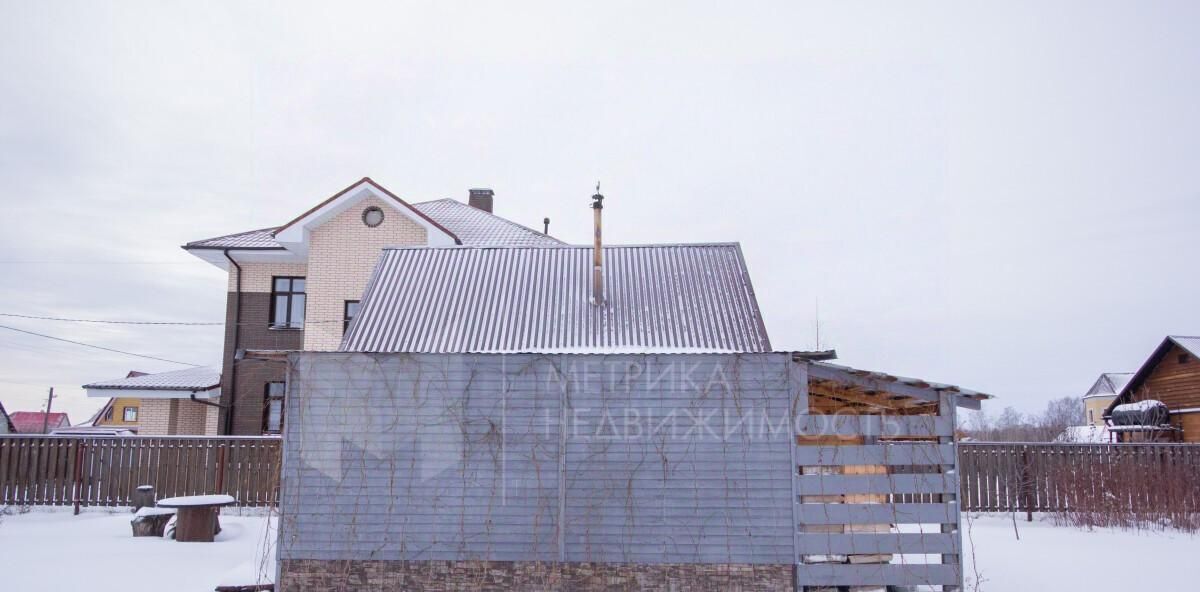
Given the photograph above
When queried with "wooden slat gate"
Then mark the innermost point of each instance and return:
(104, 471)
(851, 530)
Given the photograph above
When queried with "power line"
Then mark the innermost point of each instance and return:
(21, 316)
(97, 346)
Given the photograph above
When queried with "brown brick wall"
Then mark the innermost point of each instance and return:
(252, 375)
(447, 576)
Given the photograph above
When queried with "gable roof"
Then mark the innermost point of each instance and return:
(467, 225)
(1109, 384)
(659, 298)
(1189, 344)
(30, 422)
(340, 200)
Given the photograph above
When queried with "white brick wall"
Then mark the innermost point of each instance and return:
(190, 418)
(341, 255)
(176, 417)
(154, 417)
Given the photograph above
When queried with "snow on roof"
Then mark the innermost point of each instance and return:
(1088, 434)
(1191, 344)
(471, 225)
(263, 238)
(658, 298)
(31, 422)
(474, 226)
(1109, 384)
(200, 378)
(1138, 406)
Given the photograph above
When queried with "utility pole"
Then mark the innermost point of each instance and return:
(46, 418)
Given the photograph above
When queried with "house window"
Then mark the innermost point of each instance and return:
(1184, 358)
(273, 408)
(287, 303)
(349, 311)
(1091, 416)
(108, 413)
(130, 414)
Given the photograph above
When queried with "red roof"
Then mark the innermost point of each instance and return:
(30, 422)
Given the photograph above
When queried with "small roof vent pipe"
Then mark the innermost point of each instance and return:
(597, 250)
(545, 226)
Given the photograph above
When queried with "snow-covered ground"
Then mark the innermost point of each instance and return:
(50, 549)
(1051, 558)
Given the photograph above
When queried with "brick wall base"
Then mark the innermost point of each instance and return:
(310, 575)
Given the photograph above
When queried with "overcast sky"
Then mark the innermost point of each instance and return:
(1004, 197)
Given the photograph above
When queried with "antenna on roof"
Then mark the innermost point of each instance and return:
(597, 250)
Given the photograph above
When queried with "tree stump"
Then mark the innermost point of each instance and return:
(151, 522)
(143, 497)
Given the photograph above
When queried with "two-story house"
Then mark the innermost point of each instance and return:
(297, 286)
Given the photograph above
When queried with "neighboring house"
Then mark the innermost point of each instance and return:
(6, 425)
(120, 413)
(1170, 375)
(297, 286)
(181, 402)
(36, 422)
(1101, 395)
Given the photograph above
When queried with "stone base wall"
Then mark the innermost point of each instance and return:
(310, 575)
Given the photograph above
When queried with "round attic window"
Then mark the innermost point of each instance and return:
(372, 216)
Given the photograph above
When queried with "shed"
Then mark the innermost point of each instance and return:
(567, 471)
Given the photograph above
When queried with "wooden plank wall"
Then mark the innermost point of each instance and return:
(852, 531)
(1079, 477)
(104, 471)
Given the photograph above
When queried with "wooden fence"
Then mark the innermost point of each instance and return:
(1142, 478)
(104, 471)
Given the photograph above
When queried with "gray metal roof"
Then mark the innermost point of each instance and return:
(263, 238)
(474, 226)
(199, 378)
(471, 225)
(659, 298)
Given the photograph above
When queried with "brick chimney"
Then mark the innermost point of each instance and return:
(482, 199)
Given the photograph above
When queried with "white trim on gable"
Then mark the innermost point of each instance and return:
(296, 236)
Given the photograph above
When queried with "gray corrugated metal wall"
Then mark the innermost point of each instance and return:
(451, 457)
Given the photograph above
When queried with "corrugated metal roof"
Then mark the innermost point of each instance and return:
(659, 298)
(471, 225)
(263, 238)
(474, 226)
(1191, 344)
(190, 379)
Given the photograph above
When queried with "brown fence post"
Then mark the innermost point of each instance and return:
(1026, 484)
(220, 469)
(78, 489)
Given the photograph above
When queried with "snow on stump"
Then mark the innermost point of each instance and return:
(151, 521)
(143, 497)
